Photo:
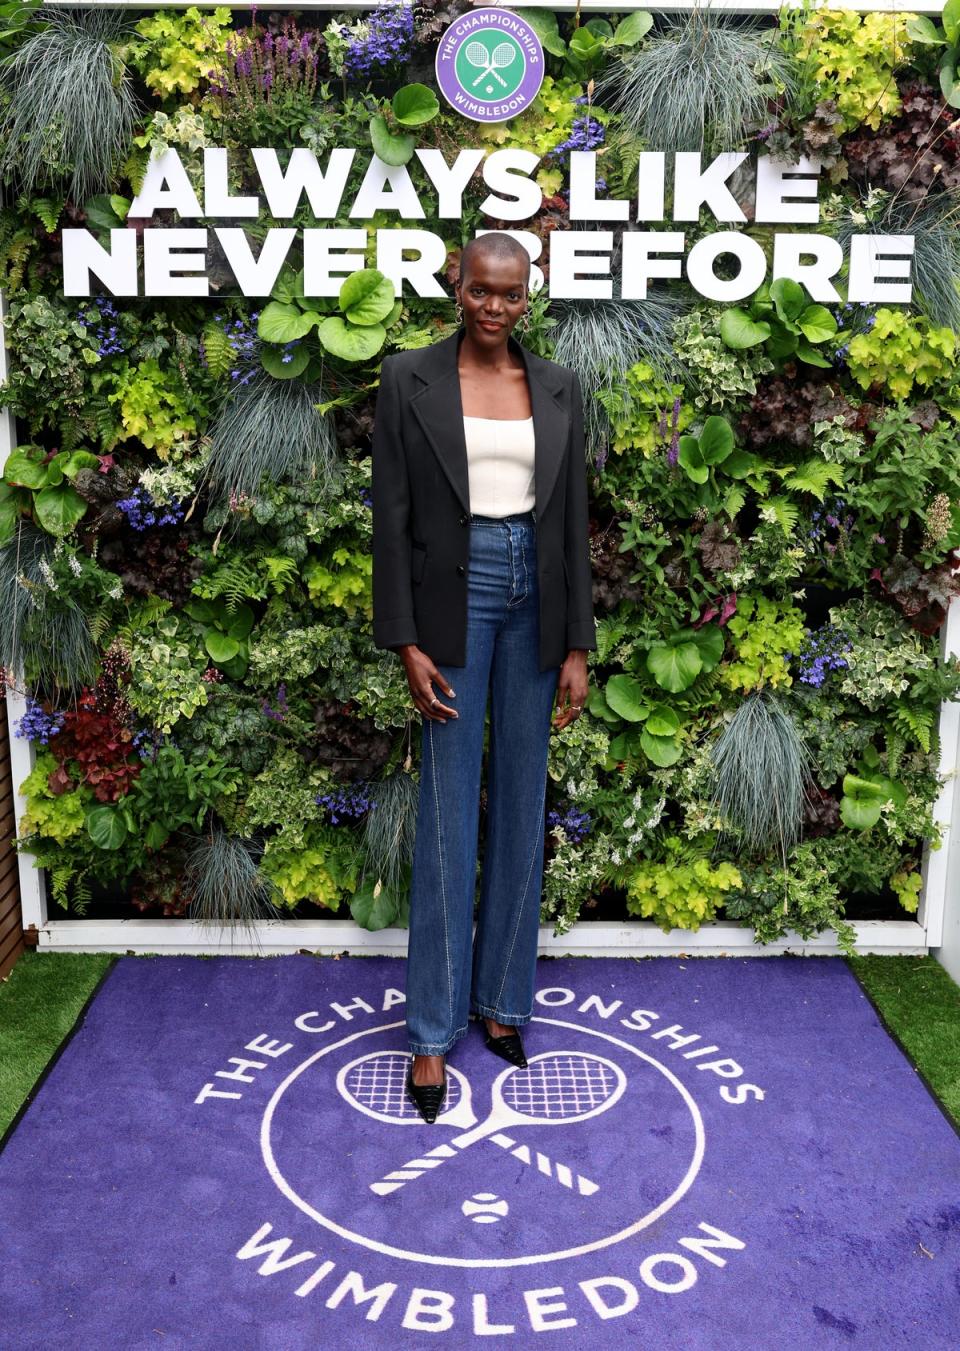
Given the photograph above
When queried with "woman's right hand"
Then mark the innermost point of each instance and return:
(422, 674)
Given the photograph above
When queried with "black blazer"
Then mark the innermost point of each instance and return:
(421, 506)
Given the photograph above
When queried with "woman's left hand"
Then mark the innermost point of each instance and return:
(572, 689)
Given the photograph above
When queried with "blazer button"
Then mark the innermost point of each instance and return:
(461, 569)
(463, 519)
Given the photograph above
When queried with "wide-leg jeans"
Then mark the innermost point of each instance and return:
(449, 974)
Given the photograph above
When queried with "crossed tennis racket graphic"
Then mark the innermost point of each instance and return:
(502, 55)
(556, 1087)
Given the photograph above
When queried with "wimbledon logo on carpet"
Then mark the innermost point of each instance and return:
(553, 1172)
(489, 65)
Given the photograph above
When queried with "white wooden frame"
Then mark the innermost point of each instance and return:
(602, 6)
(940, 868)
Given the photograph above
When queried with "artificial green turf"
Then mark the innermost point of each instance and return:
(42, 997)
(920, 1004)
(40, 1000)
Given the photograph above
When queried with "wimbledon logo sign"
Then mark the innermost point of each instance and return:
(489, 65)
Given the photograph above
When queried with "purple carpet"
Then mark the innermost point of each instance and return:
(701, 1154)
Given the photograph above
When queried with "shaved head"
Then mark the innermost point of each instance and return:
(497, 244)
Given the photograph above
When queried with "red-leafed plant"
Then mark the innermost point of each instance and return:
(95, 747)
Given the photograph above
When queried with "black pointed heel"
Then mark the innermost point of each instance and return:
(509, 1047)
(428, 1098)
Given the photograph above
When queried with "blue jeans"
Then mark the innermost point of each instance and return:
(448, 976)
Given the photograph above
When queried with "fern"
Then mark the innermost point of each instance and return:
(281, 572)
(217, 350)
(45, 209)
(236, 580)
(814, 477)
(914, 724)
(784, 512)
(99, 621)
(146, 614)
(61, 877)
(13, 259)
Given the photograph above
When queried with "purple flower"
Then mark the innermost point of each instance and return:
(346, 803)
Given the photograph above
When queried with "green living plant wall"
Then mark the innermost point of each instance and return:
(185, 522)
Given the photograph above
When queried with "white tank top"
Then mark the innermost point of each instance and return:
(500, 458)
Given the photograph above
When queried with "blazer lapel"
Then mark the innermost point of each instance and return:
(439, 409)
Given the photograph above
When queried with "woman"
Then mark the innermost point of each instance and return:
(482, 584)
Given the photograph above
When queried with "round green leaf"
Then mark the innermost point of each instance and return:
(220, 646)
(389, 147)
(544, 24)
(951, 21)
(8, 519)
(859, 815)
(662, 721)
(692, 461)
(630, 30)
(674, 668)
(415, 104)
(738, 330)
(922, 29)
(350, 342)
(272, 360)
(740, 464)
(367, 296)
(374, 906)
(625, 696)
(59, 509)
(281, 323)
(106, 827)
(24, 470)
(817, 324)
(810, 355)
(709, 641)
(663, 751)
(788, 298)
(716, 439)
(240, 622)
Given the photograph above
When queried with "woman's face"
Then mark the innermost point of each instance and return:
(494, 295)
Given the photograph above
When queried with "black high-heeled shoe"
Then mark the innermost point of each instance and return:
(509, 1046)
(428, 1098)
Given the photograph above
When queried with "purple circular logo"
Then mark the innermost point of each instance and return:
(489, 65)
